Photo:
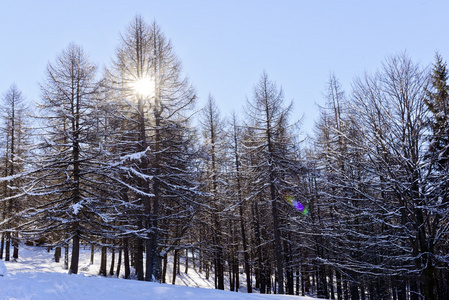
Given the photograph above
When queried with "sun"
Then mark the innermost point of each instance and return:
(144, 87)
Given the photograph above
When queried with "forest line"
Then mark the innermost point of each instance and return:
(360, 212)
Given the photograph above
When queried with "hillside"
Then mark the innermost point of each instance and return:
(36, 276)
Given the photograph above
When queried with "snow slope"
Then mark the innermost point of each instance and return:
(36, 276)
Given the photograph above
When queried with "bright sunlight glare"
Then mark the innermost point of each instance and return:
(144, 87)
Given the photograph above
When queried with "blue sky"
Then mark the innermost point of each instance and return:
(225, 45)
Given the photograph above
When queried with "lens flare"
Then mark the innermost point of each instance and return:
(296, 204)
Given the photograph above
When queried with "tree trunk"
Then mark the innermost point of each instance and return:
(119, 263)
(111, 270)
(219, 268)
(303, 282)
(443, 278)
(346, 292)
(215, 277)
(401, 288)
(66, 256)
(15, 243)
(2, 246)
(75, 254)
(245, 252)
(175, 265)
(103, 260)
(57, 254)
(362, 291)
(414, 292)
(193, 259)
(164, 267)
(339, 288)
(92, 253)
(260, 272)
(126, 258)
(297, 284)
(321, 281)
(428, 282)
(178, 265)
(237, 276)
(8, 246)
(186, 262)
(139, 259)
(149, 261)
(289, 267)
(268, 279)
(231, 278)
(206, 267)
(354, 291)
(331, 283)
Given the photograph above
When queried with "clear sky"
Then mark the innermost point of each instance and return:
(225, 45)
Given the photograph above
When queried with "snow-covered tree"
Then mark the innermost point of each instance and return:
(237, 180)
(155, 100)
(69, 183)
(437, 157)
(14, 145)
(391, 116)
(274, 165)
(213, 129)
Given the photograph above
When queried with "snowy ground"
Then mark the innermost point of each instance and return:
(36, 276)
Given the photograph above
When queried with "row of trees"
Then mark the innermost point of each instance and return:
(114, 162)
(382, 184)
